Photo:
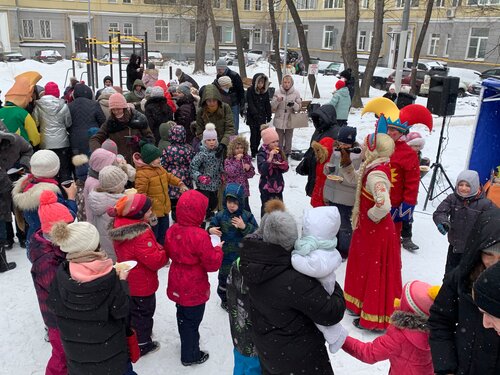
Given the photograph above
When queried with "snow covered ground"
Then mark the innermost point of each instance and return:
(24, 351)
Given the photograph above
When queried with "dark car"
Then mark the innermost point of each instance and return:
(47, 56)
(495, 72)
(380, 77)
(333, 69)
(406, 79)
(474, 88)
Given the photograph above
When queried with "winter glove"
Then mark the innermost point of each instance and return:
(290, 104)
(133, 346)
(204, 180)
(443, 228)
(221, 151)
(342, 333)
(402, 213)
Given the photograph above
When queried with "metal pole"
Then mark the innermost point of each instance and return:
(120, 58)
(403, 41)
(286, 40)
(90, 20)
(180, 42)
(94, 62)
(110, 58)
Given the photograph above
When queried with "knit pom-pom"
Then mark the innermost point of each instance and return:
(60, 233)
(433, 291)
(397, 303)
(274, 205)
(210, 126)
(79, 160)
(47, 197)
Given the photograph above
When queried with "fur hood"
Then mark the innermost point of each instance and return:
(79, 160)
(320, 151)
(256, 78)
(238, 141)
(406, 320)
(122, 229)
(30, 200)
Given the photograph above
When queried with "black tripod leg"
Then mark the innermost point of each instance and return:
(434, 168)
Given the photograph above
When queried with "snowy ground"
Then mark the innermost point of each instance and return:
(25, 352)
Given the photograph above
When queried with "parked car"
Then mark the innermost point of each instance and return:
(425, 65)
(47, 56)
(406, 79)
(333, 69)
(495, 72)
(12, 56)
(155, 57)
(380, 77)
(253, 55)
(114, 57)
(467, 76)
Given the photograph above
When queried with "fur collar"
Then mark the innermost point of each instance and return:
(30, 200)
(128, 229)
(405, 320)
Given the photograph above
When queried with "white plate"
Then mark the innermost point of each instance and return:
(130, 263)
(215, 239)
(334, 177)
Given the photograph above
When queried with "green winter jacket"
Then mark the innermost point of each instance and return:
(130, 96)
(19, 121)
(342, 103)
(164, 135)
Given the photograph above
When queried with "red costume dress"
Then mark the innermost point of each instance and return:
(373, 275)
(323, 150)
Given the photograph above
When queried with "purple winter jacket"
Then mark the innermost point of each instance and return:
(45, 258)
(237, 174)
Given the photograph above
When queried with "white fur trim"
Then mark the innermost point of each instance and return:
(30, 200)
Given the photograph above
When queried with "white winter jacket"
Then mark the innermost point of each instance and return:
(280, 108)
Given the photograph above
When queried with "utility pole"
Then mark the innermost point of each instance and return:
(403, 42)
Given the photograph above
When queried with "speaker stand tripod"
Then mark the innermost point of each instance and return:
(437, 167)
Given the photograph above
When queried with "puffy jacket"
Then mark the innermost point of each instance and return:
(132, 97)
(187, 78)
(53, 118)
(271, 174)
(341, 100)
(281, 110)
(405, 345)
(186, 114)
(206, 163)
(157, 112)
(150, 77)
(406, 175)
(19, 121)
(191, 252)
(104, 104)
(258, 103)
(236, 92)
(134, 240)
(237, 174)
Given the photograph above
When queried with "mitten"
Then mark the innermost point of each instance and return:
(335, 346)
(204, 180)
(406, 212)
(394, 213)
(133, 346)
(443, 228)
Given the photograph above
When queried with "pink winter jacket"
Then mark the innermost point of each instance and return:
(405, 345)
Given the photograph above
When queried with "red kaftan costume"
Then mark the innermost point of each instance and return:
(373, 274)
(317, 199)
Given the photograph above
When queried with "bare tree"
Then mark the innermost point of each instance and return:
(378, 25)
(349, 47)
(201, 36)
(213, 25)
(237, 35)
(303, 46)
(276, 42)
(418, 46)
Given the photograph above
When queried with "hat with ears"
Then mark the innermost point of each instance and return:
(45, 163)
(225, 82)
(110, 146)
(117, 101)
(418, 297)
(133, 206)
(51, 88)
(339, 84)
(112, 179)
(76, 239)
(486, 290)
(209, 132)
(269, 135)
(221, 63)
(50, 211)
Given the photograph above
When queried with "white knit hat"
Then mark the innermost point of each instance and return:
(210, 132)
(112, 179)
(80, 237)
(225, 81)
(45, 163)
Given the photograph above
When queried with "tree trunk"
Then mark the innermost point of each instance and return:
(201, 36)
(303, 47)
(418, 46)
(378, 25)
(276, 42)
(237, 36)
(349, 47)
(213, 25)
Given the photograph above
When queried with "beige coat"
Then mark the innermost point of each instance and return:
(280, 108)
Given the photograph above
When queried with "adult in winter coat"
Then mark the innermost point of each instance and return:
(459, 342)
(183, 77)
(86, 114)
(150, 75)
(137, 94)
(54, 121)
(286, 100)
(126, 127)
(214, 111)
(236, 92)
(134, 70)
(258, 109)
(186, 111)
(341, 101)
(157, 111)
(285, 304)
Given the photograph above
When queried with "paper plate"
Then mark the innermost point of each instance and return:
(334, 177)
(215, 239)
(130, 263)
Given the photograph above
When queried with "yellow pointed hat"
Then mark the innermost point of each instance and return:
(383, 106)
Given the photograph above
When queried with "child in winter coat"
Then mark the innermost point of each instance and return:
(112, 182)
(207, 168)
(153, 180)
(232, 223)
(315, 255)
(91, 302)
(46, 257)
(406, 342)
(272, 163)
(341, 100)
(133, 239)
(176, 159)
(457, 214)
(193, 255)
(238, 166)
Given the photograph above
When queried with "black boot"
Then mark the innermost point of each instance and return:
(4, 265)
(408, 244)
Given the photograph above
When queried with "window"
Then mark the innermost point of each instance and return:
(477, 43)
(439, 3)
(447, 46)
(247, 5)
(365, 4)
(401, 3)
(227, 36)
(45, 32)
(328, 37)
(433, 45)
(216, 4)
(128, 28)
(257, 36)
(330, 4)
(306, 32)
(258, 5)
(161, 29)
(114, 27)
(127, 1)
(228, 4)
(192, 32)
(28, 31)
(455, 3)
(362, 40)
(483, 2)
(111, 1)
(306, 4)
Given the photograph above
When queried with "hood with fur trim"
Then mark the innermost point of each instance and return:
(321, 149)
(30, 199)
(238, 141)
(122, 228)
(256, 79)
(414, 328)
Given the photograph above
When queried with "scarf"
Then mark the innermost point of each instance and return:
(86, 256)
(32, 181)
(306, 244)
(127, 115)
(139, 94)
(90, 271)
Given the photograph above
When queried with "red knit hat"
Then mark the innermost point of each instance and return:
(50, 211)
(117, 100)
(51, 88)
(340, 83)
(133, 206)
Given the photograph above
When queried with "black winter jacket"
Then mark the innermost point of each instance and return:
(92, 319)
(285, 304)
(258, 104)
(459, 343)
(237, 92)
(187, 78)
(185, 115)
(157, 112)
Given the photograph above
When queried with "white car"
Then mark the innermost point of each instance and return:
(467, 77)
(425, 64)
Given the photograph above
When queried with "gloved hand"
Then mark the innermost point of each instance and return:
(133, 346)
(204, 180)
(290, 104)
(443, 228)
(221, 151)
(342, 334)
(406, 212)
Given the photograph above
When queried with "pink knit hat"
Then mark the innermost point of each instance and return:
(116, 101)
(52, 89)
(269, 135)
(101, 158)
(415, 140)
(50, 211)
(417, 298)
